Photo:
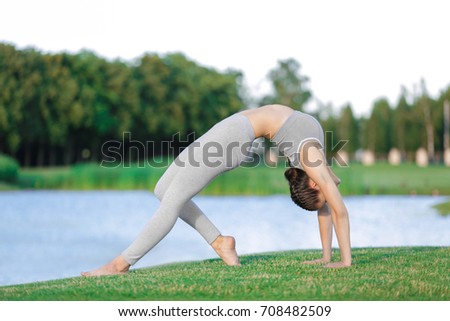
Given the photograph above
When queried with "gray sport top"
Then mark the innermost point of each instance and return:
(296, 130)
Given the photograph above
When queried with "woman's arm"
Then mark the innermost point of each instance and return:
(326, 230)
(336, 179)
(315, 166)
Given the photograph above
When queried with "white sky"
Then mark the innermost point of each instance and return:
(353, 51)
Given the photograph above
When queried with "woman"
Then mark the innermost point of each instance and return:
(312, 184)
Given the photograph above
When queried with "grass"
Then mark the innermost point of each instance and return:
(383, 178)
(356, 179)
(392, 274)
(443, 208)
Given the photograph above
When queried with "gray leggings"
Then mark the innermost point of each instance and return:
(224, 147)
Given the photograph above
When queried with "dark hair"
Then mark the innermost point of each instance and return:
(302, 193)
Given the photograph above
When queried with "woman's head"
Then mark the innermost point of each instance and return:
(304, 192)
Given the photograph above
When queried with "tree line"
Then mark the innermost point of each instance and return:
(415, 121)
(55, 106)
(61, 108)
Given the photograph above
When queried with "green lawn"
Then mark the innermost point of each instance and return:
(356, 179)
(443, 208)
(406, 273)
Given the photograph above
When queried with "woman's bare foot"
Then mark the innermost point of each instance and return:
(225, 247)
(116, 266)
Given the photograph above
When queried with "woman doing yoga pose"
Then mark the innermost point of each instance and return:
(312, 184)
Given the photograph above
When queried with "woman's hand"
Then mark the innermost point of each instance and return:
(317, 261)
(337, 265)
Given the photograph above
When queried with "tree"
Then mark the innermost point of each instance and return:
(438, 119)
(288, 85)
(151, 74)
(425, 104)
(348, 129)
(408, 133)
(53, 106)
(327, 118)
(28, 120)
(379, 128)
(10, 96)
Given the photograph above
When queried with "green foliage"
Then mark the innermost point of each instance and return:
(379, 127)
(289, 86)
(437, 114)
(391, 274)
(59, 109)
(55, 108)
(443, 208)
(403, 120)
(348, 129)
(9, 169)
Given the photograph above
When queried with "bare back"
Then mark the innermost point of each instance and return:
(267, 120)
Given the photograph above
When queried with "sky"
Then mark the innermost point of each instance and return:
(352, 51)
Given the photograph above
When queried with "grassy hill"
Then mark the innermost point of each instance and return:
(405, 273)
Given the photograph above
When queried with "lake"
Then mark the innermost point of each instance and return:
(48, 235)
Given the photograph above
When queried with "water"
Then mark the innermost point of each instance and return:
(48, 235)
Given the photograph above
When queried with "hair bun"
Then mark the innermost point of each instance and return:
(291, 173)
(302, 193)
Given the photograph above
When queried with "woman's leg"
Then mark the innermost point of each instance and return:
(190, 213)
(175, 191)
(224, 246)
(176, 198)
(192, 176)
(185, 179)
